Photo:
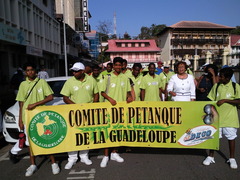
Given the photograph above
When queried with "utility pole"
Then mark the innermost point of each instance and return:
(115, 24)
(64, 39)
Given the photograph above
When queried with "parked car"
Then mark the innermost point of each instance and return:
(11, 116)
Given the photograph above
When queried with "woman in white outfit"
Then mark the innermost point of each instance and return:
(181, 86)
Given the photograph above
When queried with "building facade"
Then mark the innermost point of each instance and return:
(235, 50)
(197, 41)
(75, 15)
(134, 51)
(28, 32)
(94, 44)
(66, 7)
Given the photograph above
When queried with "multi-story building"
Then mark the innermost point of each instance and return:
(66, 7)
(195, 40)
(75, 15)
(94, 44)
(134, 51)
(82, 16)
(28, 32)
(235, 50)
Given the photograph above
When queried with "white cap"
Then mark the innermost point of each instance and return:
(78, 66)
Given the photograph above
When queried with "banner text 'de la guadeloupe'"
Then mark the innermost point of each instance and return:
(64, 128)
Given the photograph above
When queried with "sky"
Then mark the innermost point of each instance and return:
(131, 15)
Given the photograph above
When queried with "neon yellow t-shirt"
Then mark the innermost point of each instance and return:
(163, 79)
(103, 73)
(228, 115)
(80, 91)
(128, 73)
(99, 79)
(39, 92)
(151, 86)
(118, 86)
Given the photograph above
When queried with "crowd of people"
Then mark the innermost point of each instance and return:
(117, 83)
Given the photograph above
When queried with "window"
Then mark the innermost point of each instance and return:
(45, 2)
(130, 55)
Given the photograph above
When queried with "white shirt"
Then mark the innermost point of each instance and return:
(184, 88)
(43, 75)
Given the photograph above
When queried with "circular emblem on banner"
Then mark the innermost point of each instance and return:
(47, 129)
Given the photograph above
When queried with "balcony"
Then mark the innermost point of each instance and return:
(199, 41)
(182, 52)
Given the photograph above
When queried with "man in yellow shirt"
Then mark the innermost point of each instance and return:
(81, 88)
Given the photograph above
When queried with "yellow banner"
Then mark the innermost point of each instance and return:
(64, 128)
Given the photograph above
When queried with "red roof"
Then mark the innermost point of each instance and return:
(199, 24)
(112, 46)
(235, 40)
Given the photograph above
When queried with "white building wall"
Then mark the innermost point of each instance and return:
(235, 55)
(165, 45)
(69, 11)
(41, 29)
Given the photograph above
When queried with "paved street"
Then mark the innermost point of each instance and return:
(140, 163)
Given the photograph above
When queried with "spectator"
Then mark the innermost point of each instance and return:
(206, 82)
(42, 74)
(16, 80)
(159, 69)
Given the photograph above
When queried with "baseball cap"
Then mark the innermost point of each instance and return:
(77, 67)
(159, 62)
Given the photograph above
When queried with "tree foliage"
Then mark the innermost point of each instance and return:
(236, 31)
(103, 56)
(104, 27)
(126, 36)
(151, 32)
(103, 37)
(113, 36)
